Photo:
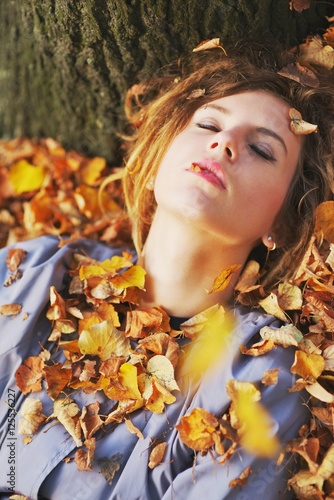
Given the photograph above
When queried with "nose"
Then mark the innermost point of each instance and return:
(224, 144)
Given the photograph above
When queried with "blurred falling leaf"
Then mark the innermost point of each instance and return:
(251, 420)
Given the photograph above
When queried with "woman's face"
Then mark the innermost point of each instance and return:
(230, 169)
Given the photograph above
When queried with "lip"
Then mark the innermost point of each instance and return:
(211, 170)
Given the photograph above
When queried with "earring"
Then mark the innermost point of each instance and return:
(150, 184)
(270, 238)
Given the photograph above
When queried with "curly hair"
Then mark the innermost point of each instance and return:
(208, 76)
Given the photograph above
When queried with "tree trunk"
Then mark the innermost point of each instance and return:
(65, 64)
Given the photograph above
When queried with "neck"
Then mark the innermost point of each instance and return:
(182, 263)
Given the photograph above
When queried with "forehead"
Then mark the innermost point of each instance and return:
(257, 107)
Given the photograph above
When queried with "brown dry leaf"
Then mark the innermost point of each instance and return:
(32, 416)
(196, 94)
(242, 479)
(57, 308)
(325, 470)
(299, 5)
(326, 416)
(196, 430)
(161, 343)
(90, 420)
(14, 258)
(67, 413)
(316, 51)
(286, 335)
(324, 221)
(143, 321)
(84, 457)
(249, 276)
(302, 74)
(259, 348)
(222, 281)
(251, 420)
(270, 377)
(109, 466)
(10, 309)
(157, 454)
(133, 429)
(57, 377)
(213, 43)
(299, 126)
(308, 365)
(29, 375)
(328, 355)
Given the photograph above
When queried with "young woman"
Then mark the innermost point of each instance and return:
(215, 173)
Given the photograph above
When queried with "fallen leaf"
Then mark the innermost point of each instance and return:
(316, 51)
(103, 340)
(305, 76)
(14, 258)
(270, 377)
(324, 221)
(286, 335)
(10, 309)
(67, 413)
(222, 281)
(316, 390)
(299, 126)
(241, 480)
(213, 43)
(308, 365)
(271, 306)
(258, 349)
(109, 466)
(26, 177)
(299, 5)
(157, 454)
(133, 429)
(90, 420)
(249, 276)
(84, 457)
(57, 377)
(29, 375)
(32, 416)
(196, 430)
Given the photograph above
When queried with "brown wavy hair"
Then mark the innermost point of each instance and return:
(163, 107)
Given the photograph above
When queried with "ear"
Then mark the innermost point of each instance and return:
(269, 242)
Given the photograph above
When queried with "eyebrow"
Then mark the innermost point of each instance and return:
(261, 130)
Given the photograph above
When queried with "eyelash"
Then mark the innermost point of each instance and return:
(253, 147)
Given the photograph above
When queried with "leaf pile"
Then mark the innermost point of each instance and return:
(47, 190)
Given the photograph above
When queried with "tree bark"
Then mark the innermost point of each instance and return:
(65, 64)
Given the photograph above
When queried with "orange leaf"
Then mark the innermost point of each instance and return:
(56, 378)
(197, 429)
(14, 258)
(10, 309)
(29, 375)
(90, 420)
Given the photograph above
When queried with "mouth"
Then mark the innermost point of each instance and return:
(209, 170)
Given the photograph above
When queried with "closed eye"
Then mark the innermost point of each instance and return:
(208, 126)
(266, 155)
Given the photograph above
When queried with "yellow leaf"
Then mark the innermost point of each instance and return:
(221, 282)
(91, 172)
(155, 394)
(270, 305)
(26, 177)
(308, 365)
(215, 327)
(251, 420)
(127, 386)
(133, 429)
(135, 276)
(10, 309)
(324, 221)
(103, 340)
(95, 268)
